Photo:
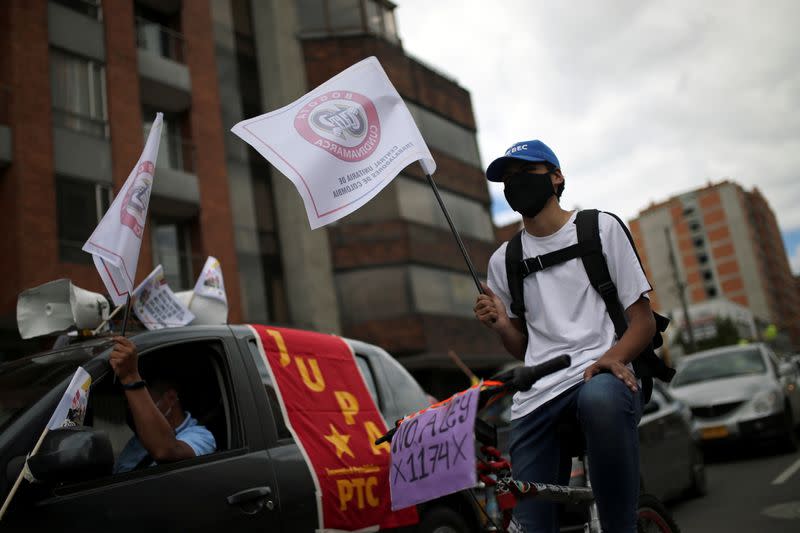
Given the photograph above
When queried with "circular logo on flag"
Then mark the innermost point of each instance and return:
(343, 123)
(134, 206)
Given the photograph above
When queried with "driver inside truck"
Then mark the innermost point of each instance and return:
(163, 431)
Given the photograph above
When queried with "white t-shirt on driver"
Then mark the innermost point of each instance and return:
(564, 313)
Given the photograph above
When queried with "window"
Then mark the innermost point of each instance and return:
(78, 93)
(80, 205)
(366, 371)
(199, 376)
(702, 259)
(442, 292)
(277, 415)
(445, 135)
(419, 205)
(172, 250)
(408, 395)
(711, 292)
(343, 17)
(90, 8)
(708, 275)
(174, 151)
(698, 243)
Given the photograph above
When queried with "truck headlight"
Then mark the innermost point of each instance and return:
(765, 402)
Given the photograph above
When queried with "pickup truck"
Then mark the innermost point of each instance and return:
(257, 480)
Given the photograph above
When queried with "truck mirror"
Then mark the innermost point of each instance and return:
(73, 454)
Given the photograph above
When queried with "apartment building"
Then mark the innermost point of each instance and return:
(80, 83)
(727, 245)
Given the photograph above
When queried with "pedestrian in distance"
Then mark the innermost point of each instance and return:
(564, 314)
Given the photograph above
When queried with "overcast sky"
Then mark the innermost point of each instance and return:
(639, 100)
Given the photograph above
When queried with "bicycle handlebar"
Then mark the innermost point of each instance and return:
(515, 380)
(522, 378)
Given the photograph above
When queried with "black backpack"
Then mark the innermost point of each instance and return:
(647, 365)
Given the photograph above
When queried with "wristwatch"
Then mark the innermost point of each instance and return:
(134, 385)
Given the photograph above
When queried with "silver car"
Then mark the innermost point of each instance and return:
(740, 393)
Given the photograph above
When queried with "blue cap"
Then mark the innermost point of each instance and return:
(533, 151)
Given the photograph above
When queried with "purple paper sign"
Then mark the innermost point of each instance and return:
(433, 453)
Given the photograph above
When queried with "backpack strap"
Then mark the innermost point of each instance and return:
(514, 274)
(588, 229)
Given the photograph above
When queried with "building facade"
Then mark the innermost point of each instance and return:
(726, 244)
(80, 83)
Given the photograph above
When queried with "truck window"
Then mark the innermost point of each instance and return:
(274, 404)
(366, 371)
(197, 372)
(408, 395)
(25, 381)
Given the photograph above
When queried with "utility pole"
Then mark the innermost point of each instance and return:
(680, 287)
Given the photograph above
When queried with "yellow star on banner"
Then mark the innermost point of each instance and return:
(340, 441)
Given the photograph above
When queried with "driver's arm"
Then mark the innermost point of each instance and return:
(153, 429)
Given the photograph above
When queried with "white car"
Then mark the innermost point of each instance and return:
(740, 392)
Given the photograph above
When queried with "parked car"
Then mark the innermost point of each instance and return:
(740, 393)
(224, 380)
(671, 459)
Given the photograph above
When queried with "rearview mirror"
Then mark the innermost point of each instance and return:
(73, 454)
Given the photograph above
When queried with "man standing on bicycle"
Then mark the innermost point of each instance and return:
(565, 314)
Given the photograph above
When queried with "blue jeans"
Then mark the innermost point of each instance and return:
(608, 413)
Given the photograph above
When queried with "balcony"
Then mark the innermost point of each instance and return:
(5, 130)
(175, 167)
(165, 82)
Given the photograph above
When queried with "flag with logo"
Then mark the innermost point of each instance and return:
(71, 410)
(341, 143)
(156, 306)
(116, 241)
(210, 282)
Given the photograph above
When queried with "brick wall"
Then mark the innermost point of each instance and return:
(216, 221)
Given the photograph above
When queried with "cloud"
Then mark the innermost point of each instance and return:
(640, 100)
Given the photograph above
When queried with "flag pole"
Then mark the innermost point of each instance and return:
(455, 234)
(125, 316)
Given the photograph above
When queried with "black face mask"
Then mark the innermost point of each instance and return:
(527, 194)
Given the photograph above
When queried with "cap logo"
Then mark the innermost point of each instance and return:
(518, 148)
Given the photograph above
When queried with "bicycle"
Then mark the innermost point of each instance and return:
(494, 471)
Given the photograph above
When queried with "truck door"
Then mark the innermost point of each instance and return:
(232, 489)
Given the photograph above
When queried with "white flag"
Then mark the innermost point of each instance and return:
(71, 410)
(341, 143)
(210, 282)
(156, 306)
(116, 241)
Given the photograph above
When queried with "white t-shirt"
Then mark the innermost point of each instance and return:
(564, 313)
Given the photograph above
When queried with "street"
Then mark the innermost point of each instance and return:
(748, 491)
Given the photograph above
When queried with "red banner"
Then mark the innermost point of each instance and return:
(335, 422)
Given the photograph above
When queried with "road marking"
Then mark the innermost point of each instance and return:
(786, 474)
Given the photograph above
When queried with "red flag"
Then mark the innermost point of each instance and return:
(334, 420)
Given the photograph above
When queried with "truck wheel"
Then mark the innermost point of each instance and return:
(443, 520)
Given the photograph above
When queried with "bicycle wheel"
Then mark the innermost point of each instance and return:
(653, 517)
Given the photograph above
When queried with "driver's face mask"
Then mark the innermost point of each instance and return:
(169, 409)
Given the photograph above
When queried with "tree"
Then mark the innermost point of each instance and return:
(727, 334)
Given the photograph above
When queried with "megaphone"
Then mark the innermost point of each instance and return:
(56, 306)
(207, 311)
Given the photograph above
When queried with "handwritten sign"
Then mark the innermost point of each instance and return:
(433, 453)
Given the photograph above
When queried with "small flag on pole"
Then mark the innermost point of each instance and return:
(342, 143)
(116, 241)
(210, 282)
(71, 410)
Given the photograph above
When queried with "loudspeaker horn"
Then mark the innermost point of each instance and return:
(57, 306)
